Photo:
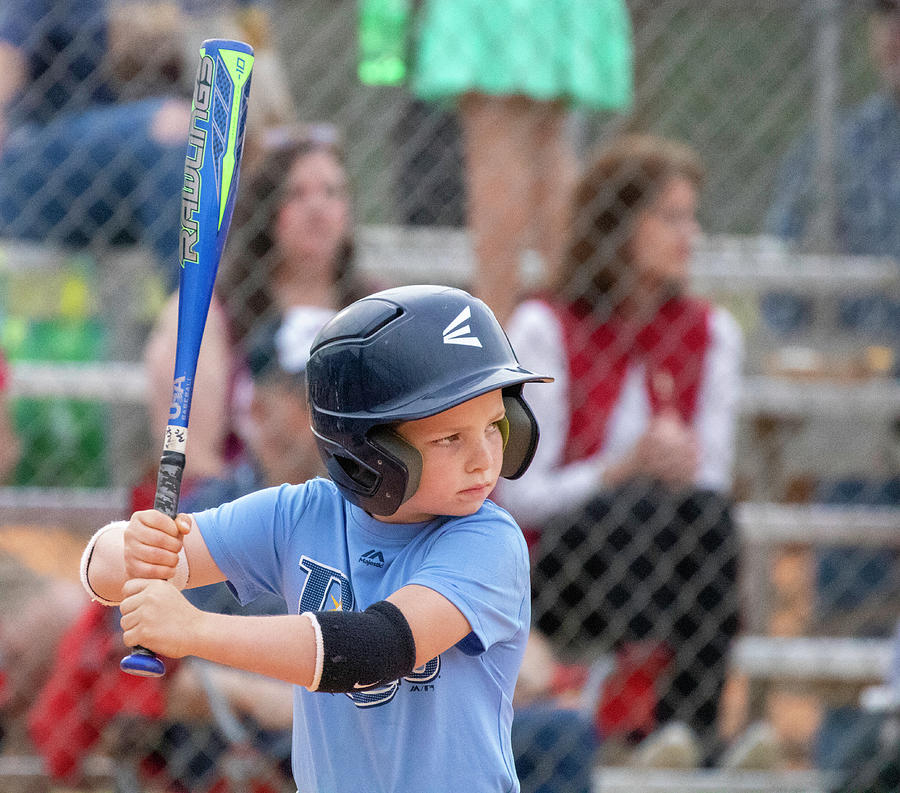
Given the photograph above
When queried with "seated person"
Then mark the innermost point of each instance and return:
(117, 163)
(866, 170)
(633, 541)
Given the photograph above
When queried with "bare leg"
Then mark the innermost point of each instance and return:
(496, 138)
(520, 169)
(554, 173)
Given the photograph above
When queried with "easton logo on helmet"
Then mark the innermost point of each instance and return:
(454, 334)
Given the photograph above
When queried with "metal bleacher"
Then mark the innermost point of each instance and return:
(829, 666)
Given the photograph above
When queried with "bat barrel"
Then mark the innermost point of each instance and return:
(212, 162)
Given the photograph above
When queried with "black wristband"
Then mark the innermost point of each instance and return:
(362, 650)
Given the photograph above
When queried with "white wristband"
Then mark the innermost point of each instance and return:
(182, 573)
(179, 579)
(86, 561)
(320, 651)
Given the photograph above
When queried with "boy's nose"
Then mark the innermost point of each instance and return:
(481, 456)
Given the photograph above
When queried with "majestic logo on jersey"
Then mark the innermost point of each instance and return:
(373, 558)
(328, 589)
(457, 333)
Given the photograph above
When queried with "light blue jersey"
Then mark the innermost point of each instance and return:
(446, 726)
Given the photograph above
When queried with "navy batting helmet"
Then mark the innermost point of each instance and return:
(405, 354)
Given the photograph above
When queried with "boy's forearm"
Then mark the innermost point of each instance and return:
(282, 646)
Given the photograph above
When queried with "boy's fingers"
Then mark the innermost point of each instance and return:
(158, 557)
(133, 586)
(155, 519)
(183, 523)
(161, 541)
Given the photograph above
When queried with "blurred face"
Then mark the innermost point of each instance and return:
(462, 452)
(663, 239)
(885, 45)
(281, 438)
(315, 216)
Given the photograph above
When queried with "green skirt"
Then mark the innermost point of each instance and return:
(579, 51)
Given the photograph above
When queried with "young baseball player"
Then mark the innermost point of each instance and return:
(409, 589)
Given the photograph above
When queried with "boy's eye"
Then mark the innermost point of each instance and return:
(447, 439)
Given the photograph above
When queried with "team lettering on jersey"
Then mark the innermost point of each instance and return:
(327, 589)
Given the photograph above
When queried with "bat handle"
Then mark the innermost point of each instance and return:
(143, 662)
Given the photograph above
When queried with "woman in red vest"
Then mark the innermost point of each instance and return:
(628, 495)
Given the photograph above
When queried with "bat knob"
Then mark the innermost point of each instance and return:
(143, 663)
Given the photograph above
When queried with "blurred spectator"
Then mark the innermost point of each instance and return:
(859, 746)
(514, 69)
(855, 587)
(853, 582)
(95, 109)
(281, 440)
(279, 444)
(553, 735)
(85, 705)
(288, 263)
(628, 495)
(37, 609)
(866, 176)
(867, 161)
(9, 440)
(79, 164)
(291, 242)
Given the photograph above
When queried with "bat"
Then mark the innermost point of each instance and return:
(211, 170)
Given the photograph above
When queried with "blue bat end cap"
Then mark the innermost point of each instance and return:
(142, 663)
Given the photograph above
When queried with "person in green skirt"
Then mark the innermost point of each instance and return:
(513, 69)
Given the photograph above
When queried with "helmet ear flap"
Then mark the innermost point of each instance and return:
(521, 438)
(409, 458)
(359, 480)
(379, 488)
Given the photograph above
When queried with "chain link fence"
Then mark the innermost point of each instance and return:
(653, 606)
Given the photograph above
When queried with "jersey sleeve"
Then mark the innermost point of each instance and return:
(480, 564)
(246, 538)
